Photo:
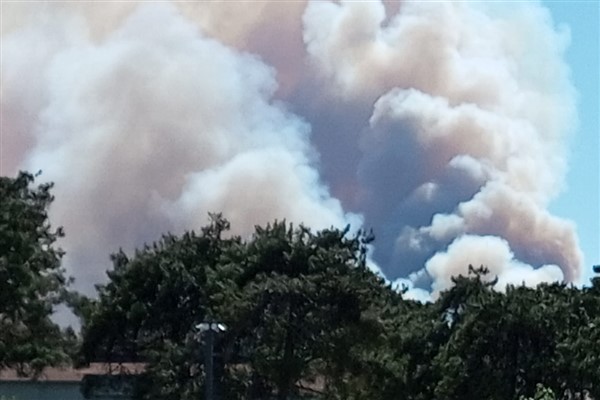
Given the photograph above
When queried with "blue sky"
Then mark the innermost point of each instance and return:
(581, 199)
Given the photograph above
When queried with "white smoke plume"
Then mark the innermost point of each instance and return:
(155, 126)
(442, 126)
(492, 252)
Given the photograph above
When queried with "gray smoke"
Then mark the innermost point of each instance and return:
(443, 126)
(471, 107)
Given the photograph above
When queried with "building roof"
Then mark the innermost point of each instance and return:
(70, 374)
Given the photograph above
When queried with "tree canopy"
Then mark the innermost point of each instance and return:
(31, 279)
(306, 316)
(298, 306)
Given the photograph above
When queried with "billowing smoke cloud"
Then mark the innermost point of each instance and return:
(157, 125)
(440, 125)
(466, 135)
(492, 252)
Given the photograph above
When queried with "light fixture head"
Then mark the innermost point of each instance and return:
(213, 326)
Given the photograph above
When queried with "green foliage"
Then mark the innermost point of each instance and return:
(306, 317)
(541, 393)
(299, 306)
(307, 306)
(31, 279)
(502, 345)
(157, 295)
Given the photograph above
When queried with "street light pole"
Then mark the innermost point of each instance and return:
(208, 364)
(209, 328)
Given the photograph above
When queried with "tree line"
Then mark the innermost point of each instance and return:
(305, 317)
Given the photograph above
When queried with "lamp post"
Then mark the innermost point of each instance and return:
(596, 268)
(209, 328)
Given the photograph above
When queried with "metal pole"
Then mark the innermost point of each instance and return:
(208, 364)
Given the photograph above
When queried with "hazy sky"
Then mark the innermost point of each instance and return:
(461, 132)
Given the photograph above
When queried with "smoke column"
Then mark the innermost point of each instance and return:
(442, 126)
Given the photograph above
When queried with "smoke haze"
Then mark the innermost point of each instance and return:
(441, 125)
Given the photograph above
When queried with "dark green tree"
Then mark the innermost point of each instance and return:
(301, 309)
(157, 295)
(32, 282)
(309, 309)
(305, 316)
(504, 344)
(576, 316)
